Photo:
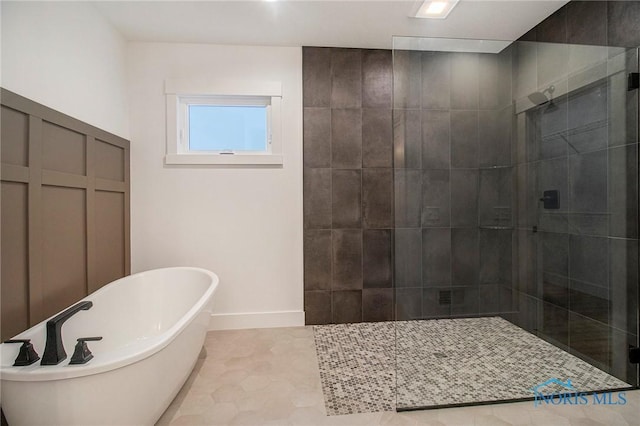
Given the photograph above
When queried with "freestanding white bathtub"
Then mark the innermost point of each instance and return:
(153, 326)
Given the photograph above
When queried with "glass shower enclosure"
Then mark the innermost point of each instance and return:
(516, 220)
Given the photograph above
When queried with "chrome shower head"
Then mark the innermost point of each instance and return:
(540, 98)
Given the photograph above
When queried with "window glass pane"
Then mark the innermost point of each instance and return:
(222, 128)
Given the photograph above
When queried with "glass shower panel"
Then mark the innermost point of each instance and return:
(516, 218)
(579, 169)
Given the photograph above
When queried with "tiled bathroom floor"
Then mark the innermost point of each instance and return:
(271, 377)
(441, 362)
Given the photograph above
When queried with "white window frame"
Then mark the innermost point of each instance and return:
(182, 93)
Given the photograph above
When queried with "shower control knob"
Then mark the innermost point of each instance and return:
(81, 353)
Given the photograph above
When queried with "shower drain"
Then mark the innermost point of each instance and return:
(439, 355)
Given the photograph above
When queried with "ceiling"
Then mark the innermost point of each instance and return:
(354, 23)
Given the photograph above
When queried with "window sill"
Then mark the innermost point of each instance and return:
(224, 159)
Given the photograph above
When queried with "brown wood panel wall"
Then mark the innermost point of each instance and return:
(64, 208)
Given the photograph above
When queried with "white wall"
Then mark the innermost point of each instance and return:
(245, 224)
(67, 57)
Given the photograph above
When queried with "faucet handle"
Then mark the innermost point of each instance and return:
(81, 353)
(27, 354)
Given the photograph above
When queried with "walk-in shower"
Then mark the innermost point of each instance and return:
(516, 219)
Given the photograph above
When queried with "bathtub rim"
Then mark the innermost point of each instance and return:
(148, 347)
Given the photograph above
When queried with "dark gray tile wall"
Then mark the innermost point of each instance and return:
(377, 198)
(578, 276)
(317, 259)
(347, 259)
(348, 185)
(377, 304)
(407, 138)
(376, 264)
(436, 145)
(464, 139)
(317, 133)
(436, 198)
(600, 23)
(622, 23)
(346, 306)
(408, 198)
(376, 136)
(408, 257)
(346, 138)
(585, 22)
(454, 184)
(464, 198)
(436, 257)
(346, 199)
(465, 256)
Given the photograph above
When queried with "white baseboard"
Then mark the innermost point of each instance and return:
(256, 320)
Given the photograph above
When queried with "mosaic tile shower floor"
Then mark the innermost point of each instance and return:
(440, 362)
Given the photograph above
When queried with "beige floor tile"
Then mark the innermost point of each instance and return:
(248, 418)
(195, 404)
(212, 368)
(261, 367)
(279, 386)
(203, 384)
(271, 377)
(300, 332)
(390, 418)
(630, 415)
(220, 413)
(610, 415)
(307, 398)
(462, 416)
(433, 423)
(307, 416)
(277, 408)
(366, 419)
(422, 417)
(233, 376)
(279, 422)
(228, 393)
(568, 411)
(474, 410)
(244, 362)
(544, 418)
(255, 382)
(188, 420)
(489, 420)
(453, 419)
(253, 401)
(515, 413)
(303, 364)
(584, 421)
(304, 382)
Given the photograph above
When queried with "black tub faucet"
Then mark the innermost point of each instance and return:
(54, 349)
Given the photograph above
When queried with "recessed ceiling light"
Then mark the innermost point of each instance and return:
(435, 9)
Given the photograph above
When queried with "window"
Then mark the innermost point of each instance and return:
(228, 128)
(228, 125)
(235, 123)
